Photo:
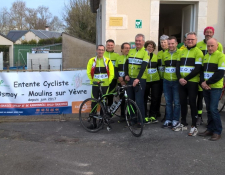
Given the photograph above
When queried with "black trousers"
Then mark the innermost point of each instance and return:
(96, 94)
(152, 88)
(200, 102)
(189, 90)
(112, 88)
(122, 113)
(96, 91)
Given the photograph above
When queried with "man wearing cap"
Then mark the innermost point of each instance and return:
(202, 45)
(208, 32)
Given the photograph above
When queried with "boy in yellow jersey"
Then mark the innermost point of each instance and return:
(99, 68)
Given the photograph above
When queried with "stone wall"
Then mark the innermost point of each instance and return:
(76, 52)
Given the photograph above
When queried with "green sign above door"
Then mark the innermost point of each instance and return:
(138, 23)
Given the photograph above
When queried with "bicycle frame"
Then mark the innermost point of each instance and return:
(104, 96)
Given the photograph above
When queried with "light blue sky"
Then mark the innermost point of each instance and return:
(55, 6)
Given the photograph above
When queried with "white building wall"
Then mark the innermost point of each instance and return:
(207, 13)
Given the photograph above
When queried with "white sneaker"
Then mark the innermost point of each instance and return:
(193, 131)
(177, 127)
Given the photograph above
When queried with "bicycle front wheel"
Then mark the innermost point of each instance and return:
(133, 118)
(90, 115)
(221, 101)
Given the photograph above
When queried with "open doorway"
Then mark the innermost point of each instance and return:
(176, 20)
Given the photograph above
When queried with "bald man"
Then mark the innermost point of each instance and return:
(211, 80)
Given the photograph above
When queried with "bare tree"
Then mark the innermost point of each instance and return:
(81, 22)
(44, 17)
(56, 24)
(22, 18)
(31, 18)
(18, 15)
(4, 21)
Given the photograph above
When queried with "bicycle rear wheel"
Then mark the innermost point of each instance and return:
(90, 115)
(133, 118)
(222, 100)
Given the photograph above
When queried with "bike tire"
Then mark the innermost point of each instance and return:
(222, 100)
(88, 116)
(133, 118)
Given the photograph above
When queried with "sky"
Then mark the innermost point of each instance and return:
(55, 6)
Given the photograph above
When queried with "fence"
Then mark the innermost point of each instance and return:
(20, 51)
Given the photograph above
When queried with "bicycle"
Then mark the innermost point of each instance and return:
(222, 99)
(94, 113)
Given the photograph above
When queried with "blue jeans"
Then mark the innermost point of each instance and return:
(171, 92)
(137, 94)
(211, 100)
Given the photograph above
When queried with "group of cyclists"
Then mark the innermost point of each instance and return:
(185, 73)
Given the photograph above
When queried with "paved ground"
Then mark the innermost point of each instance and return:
(56, 148)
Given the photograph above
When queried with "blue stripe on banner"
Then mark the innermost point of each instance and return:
(35, 111)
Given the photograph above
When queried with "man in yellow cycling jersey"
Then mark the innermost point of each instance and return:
(171, 86)
(109, 53)
(202, 45)
(120, 69)
(208, 32)
(99, 68)
(137, 72)
(164, 45)
(188, 69)
(212, 82)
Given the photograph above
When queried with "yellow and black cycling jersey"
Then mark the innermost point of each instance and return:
(169, 61)
(120, 65)
(160, 64)
(100, 70)
(203, 47)
(212, 63)
(188, 60)
(135, 59)
(152, 68)
(112, 56)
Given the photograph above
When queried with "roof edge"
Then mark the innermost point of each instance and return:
(77, 38)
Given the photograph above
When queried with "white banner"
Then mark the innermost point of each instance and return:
(38, 93)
